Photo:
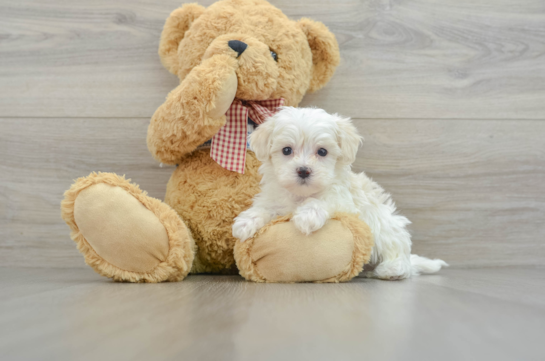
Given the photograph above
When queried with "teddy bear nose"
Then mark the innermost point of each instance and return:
(303, 172)
(237, 46)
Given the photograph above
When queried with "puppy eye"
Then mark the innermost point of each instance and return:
(322, 152)
(286, 151)
(274, 55)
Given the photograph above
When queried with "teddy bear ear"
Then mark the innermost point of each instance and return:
(174, 30)
(325, 52)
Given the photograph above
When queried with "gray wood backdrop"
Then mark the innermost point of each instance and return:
(449, 95)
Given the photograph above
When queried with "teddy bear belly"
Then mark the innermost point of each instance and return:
(208, 198)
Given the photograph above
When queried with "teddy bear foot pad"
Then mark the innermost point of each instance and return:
(123, 233)
(280, 253)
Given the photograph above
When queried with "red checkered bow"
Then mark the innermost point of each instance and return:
(228, 147)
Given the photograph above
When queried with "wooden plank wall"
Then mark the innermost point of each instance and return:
(449, 95)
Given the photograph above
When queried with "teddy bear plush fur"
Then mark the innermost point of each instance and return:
(128, 236)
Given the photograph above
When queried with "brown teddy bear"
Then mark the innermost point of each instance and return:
(237, 60)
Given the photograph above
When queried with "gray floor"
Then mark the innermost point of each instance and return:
(459, 314)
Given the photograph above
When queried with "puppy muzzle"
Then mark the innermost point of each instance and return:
(303, 172)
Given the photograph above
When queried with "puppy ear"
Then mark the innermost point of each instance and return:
(260, 140)
(176, 25)
(349, 140)
(325, 52)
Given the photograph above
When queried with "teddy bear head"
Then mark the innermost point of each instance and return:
(278, 57)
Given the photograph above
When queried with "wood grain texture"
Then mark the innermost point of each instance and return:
(40, 158)
(477, 314)
(445, 93)
(401, 59)
(474, 190)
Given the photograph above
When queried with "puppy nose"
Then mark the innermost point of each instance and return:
(303, 172)
(237, 46)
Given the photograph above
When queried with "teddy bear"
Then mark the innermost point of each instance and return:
(237, 61)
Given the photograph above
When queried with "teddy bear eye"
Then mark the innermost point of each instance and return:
(286, 151)
(322, 152)
(274, 55)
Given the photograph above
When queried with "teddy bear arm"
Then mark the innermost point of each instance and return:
(194, 111)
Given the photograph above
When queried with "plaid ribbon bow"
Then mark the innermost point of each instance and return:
(228, 146)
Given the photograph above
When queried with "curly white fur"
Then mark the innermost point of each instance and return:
(329, 187)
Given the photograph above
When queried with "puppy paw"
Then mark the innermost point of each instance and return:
(393, 270)
(246, 227)
(309, 219)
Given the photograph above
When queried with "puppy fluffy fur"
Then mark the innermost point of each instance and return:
(306, 157)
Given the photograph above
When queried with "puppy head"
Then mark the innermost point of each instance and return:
(305, 148)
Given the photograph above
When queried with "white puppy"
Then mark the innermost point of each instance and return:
(307, 156)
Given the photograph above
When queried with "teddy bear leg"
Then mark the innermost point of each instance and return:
(279, 252)
(125, 234)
